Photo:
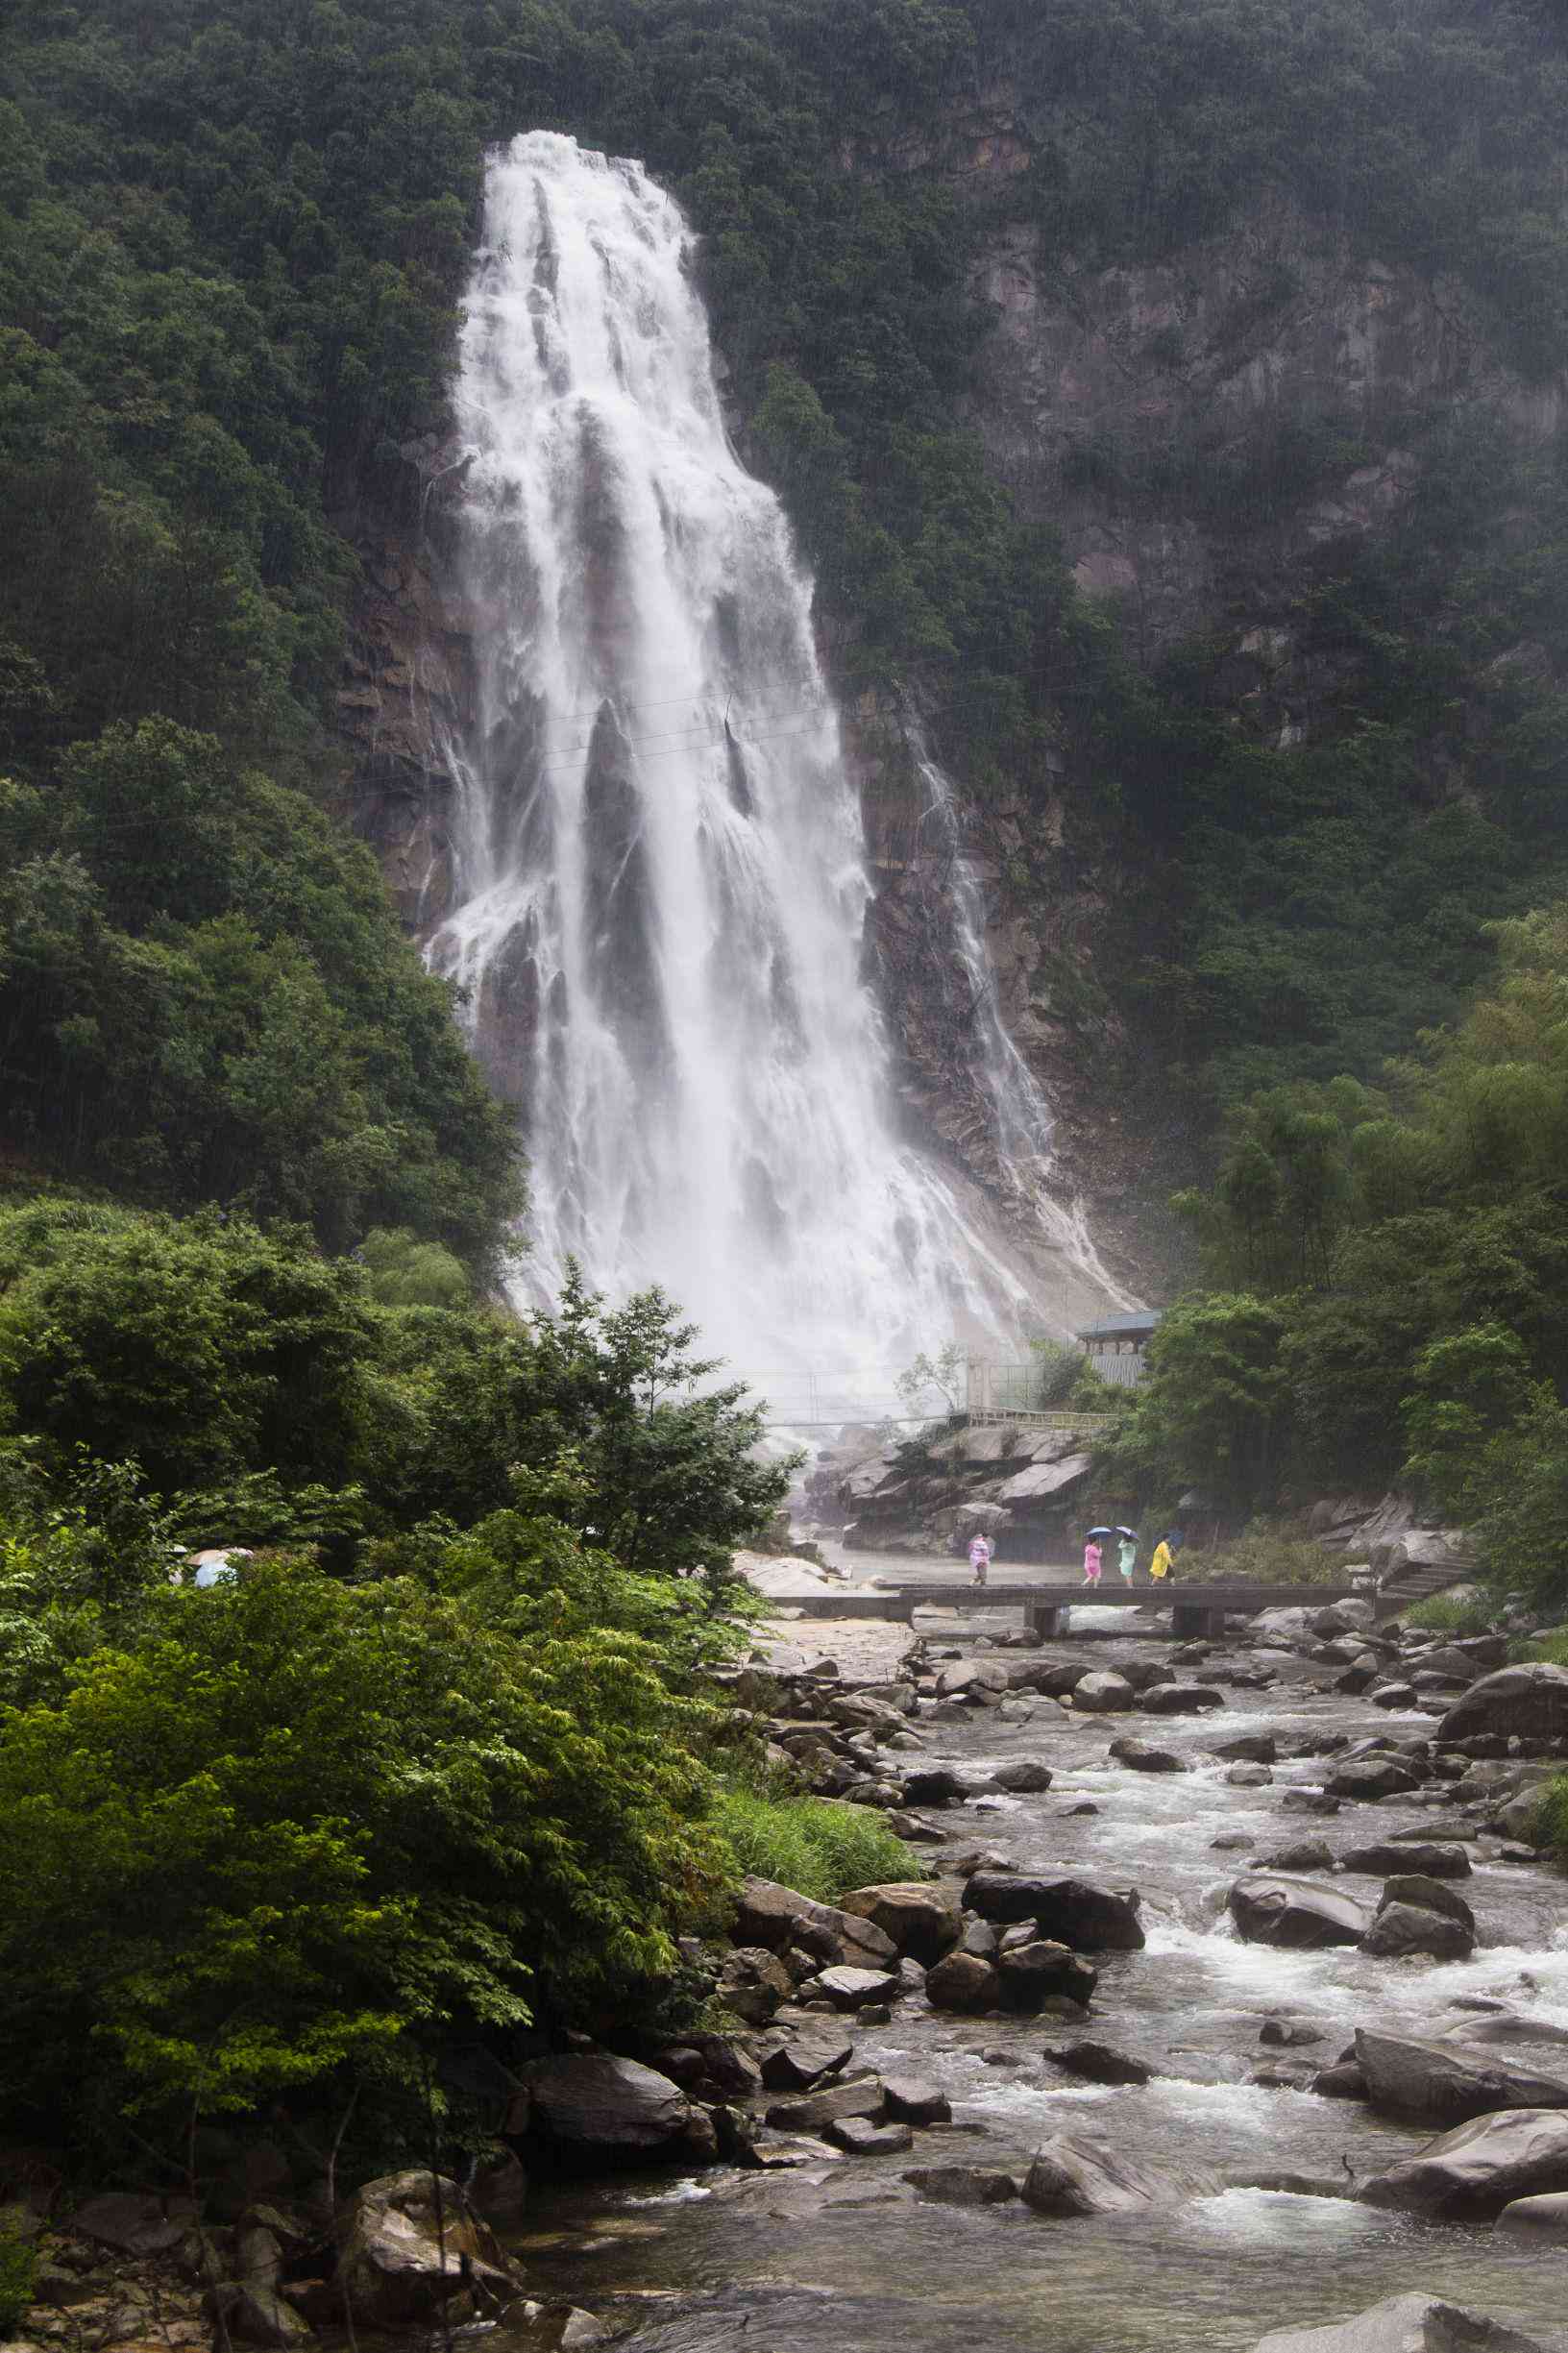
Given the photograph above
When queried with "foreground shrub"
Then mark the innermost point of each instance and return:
(818, 1845)
(298, 1826)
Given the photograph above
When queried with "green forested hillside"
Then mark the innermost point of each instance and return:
(1386, 1297)
(230, 243)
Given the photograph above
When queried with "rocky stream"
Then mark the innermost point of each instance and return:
(1233, 2014)
(1339, 1951)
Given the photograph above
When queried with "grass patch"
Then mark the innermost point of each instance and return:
(1551, 1824)
(1265, 1555)
(1548, 1650)
(1452, 1614)
(18, 2271)
(818, 1846)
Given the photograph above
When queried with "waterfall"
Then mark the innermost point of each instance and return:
(660, 881)
(1021, 1117)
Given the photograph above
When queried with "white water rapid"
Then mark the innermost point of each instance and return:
(661, 888)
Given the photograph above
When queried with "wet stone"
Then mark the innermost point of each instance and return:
(858, 2137)
(802, 2064)
(962, 2185)
(850, 1989)
(1099, 2062)
(911, 2101)
(814, 2110)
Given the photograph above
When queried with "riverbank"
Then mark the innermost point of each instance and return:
(847, 2251)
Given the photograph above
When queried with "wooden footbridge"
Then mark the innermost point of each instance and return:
(1195, 1610)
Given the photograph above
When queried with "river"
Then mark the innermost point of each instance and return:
(846, 2255)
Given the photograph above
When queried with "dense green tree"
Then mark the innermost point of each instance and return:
(296, 1827)
(675, 1478)
(1213, 1405)
(199, 1349)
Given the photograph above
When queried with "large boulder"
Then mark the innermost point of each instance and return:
(849, 1988)
(1431, 1894)
(1343, 1618)
(797, 2065)
(1297, 1915)
(963, 1983)
(1288, 1624)
(1529, 1701)
(1182, 1699)
(962, 2185)
(934, 1785)
(1471, 2175)
(864, 2096)
(1032, 1973)
(1437, 1859)
(1405, 1931)
(1448, 2083)
(408, 2244)
(1414, 2323)
(858, 2137)
(1371, 1778)
(594, 2110)
(1076, 1912)
(1073, 2176)
(1140, 1757)
(971, 1675)
(1102, 1691)
(752, 1983)
(917, 1917)
(130, 2221)
(1250, 1747)
(1099, 2062)
(912, 2100)
(767, 1913)
(1447, 1661)
(1539, 2221)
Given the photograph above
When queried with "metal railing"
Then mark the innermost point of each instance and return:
(1043, 1417)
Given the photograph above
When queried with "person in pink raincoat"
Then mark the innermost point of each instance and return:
(980, 1555)
(1091, 1561)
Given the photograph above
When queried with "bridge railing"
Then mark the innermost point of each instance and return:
(1043, 1417)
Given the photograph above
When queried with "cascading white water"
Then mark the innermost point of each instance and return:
(1022, 1117)
(661, 888)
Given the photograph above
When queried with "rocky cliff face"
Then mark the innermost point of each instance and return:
(1120, 405)
(1190, 428)
(408, 689)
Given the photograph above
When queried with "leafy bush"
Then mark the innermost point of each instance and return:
(203, 1349)
(1452, 1614)
(818, 1846)
(294, 1826)
(404, 1272)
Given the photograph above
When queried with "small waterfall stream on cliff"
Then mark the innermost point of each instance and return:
(1020, 1113)
(661, 888)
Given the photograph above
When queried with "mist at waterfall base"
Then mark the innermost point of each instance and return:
(661, 888)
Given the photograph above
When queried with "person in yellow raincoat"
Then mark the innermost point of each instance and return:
(1160, 1564)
